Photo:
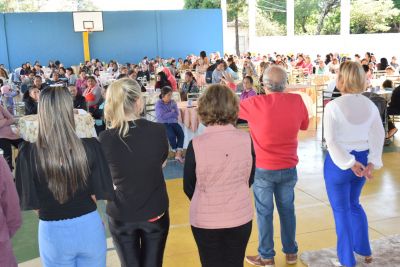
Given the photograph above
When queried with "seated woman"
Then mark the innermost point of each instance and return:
(98, 112)
(219, 169)
(62, 73)
(167, 113)
(248, 90)
(31, 99)
(189, 86)
(81, 82)
(7, 137)
(79, 101)
(162, 80)
(92, 93)
(232, 69)
(70, 75)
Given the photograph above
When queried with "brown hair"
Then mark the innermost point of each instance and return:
(61, 154)
(218, 105)
(387, 84)
(351, 78)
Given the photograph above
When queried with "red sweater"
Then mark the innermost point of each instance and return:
(275, 120)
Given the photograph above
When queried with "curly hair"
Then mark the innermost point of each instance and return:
(218, 105)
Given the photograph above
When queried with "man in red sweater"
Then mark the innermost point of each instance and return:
(275, 120)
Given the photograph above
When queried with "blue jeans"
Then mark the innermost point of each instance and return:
(278, 183)
(344, 189)
(175, 135)
(77, 242)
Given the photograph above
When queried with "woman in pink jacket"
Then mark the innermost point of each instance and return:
(10, 219)
(171, 78)
(219, 169)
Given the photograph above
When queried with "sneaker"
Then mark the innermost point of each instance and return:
(368, 259)
(336, 263)
(291, 259)
(258, 261)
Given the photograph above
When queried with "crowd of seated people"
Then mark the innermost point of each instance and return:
(147, 143)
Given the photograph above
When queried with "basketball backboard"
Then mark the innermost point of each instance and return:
(88, 21)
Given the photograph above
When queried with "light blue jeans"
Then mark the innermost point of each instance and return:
(78, 242)
(278, 183)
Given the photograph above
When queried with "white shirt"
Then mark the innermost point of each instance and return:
(353, 122)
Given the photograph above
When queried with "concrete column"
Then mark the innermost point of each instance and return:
(290, 17)
(345, 17)
(224, 25)
(252, 23)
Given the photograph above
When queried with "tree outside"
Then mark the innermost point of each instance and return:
(317, 17)
(271, 18)
(10, 6)
(375, 16)
(235, 9)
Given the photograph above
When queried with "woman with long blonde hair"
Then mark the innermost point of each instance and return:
(62, 176)
(136, 150)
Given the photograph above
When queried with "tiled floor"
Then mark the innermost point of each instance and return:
(315, 226)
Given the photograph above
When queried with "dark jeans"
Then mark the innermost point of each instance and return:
(222, 247)
(6, 144)
(140, 244)
(175, 135)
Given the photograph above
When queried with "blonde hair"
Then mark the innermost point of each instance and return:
(218, 105)
(351, 78)
(121, 101)
(61, 154)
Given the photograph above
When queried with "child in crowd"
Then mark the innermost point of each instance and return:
(167, 113)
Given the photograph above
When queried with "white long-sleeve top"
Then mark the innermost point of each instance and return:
(352, 122)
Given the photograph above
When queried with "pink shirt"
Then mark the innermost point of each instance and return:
(81, 85)
(6, 119)
(10, 214)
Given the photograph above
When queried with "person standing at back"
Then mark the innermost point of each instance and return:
(275, 120)
(354, 136)
(136, 150)
(218, 173)
(10, 219)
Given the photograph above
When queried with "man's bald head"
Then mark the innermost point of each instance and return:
(275, 78)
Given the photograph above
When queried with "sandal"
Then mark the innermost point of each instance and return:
(368, 259)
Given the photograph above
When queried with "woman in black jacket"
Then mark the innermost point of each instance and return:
(31, 99)
(79, 100)
(162, 80)
(136, 150)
